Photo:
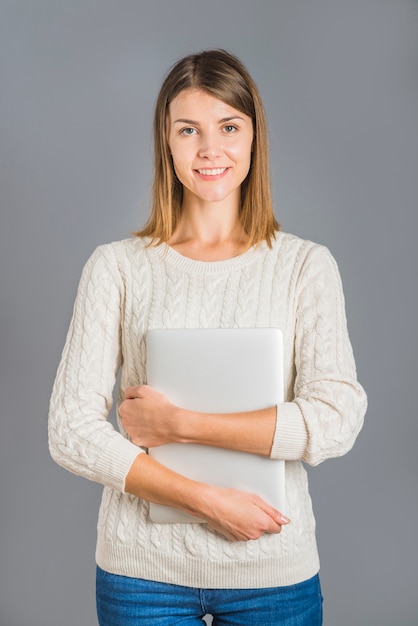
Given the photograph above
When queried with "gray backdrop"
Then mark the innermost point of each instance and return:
(77, 86)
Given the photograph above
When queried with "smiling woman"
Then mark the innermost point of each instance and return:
(223, 81)
(211, 256)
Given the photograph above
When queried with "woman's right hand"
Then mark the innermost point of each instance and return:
(241, 516)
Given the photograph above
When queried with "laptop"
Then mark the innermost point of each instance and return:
(218, 371)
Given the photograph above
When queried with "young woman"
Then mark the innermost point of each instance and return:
(211, 255)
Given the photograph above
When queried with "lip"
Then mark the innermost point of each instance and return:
(216, 173)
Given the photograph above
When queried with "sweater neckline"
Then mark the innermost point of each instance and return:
(171, 257)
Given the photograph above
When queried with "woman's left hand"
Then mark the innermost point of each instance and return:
(148, 417)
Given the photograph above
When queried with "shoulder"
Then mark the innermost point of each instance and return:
(288, 242)
(295, 251)
(302, 259)
(110, 261)
(116, 253)
(123, 248)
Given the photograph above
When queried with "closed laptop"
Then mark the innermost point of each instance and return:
(218, 371)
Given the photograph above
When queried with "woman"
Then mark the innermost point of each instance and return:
(211, 255)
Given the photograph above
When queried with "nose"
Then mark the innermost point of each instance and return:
(210, 146)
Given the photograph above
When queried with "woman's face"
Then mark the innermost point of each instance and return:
(210, 143)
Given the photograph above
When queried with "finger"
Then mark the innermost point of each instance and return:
(133, 392)
(280, 518)
(276, 515)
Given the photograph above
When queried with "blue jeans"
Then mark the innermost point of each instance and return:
(123, 601)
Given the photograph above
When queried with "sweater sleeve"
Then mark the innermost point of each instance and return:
(81, 438)
(328, 407)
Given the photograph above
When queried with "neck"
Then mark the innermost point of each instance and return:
(209, 233)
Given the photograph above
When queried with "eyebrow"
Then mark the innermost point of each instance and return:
(195, 123)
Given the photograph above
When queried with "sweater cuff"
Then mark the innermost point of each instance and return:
(291, 435)
(115, 465)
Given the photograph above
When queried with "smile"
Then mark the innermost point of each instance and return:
(214, 172)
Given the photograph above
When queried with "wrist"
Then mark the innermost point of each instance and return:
(203, 504)
(182, 422)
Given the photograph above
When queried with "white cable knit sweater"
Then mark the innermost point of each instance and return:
(126, 289)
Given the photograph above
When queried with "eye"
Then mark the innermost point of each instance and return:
(230, 128)
(188, 131)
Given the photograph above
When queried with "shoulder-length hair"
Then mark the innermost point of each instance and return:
(223, 76)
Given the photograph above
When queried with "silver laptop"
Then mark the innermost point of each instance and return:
(218, 371)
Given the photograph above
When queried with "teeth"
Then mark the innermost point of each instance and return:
(219, 170)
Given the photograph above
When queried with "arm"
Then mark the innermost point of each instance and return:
(328, 407)
(237, 515)
(328, 400)
(81, 438)
(152, 420)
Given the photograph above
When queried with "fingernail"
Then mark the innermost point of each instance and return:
(284, 519)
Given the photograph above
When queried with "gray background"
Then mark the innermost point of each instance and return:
(339, 80)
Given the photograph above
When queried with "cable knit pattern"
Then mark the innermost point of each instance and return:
(126, 289)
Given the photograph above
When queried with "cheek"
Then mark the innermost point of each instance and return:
(241, 152)
(176, 160)
(180, 156)
(180, 169)
(177, 171)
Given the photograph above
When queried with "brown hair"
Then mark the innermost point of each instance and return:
(223, 76)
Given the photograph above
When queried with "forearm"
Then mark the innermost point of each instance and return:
(149, 480)
(251, 431)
